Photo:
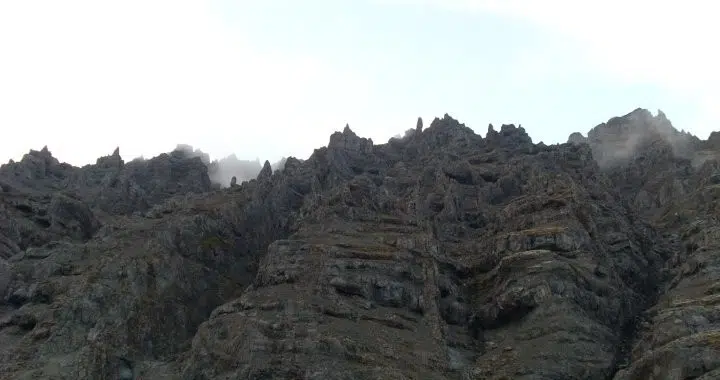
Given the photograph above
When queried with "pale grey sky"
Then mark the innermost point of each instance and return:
(273, 78)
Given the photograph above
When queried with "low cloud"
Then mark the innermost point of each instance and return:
(624, 138)
(221, 171)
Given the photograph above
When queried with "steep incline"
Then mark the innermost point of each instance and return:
(444, 256)
(671, 180)
(439, 255)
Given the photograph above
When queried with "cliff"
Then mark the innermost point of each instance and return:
(439, 255)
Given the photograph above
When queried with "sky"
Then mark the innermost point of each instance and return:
(273, 78)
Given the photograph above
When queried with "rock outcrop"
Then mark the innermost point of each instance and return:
(439, 255)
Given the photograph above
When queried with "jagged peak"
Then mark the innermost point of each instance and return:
(185, 148)
(576, 138)
(639, 120)
(43, 155)
(634, 116)
(113, 160)
(509, 128)
(349, 140)
(266, 171)
(637, 133)
(491, 130)
(292, 163)
(44, 152)
(508, 132)
(447, 121)
(189, 151)
(640, 113)
(419, 125)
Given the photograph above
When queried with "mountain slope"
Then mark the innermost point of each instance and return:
(439, 255)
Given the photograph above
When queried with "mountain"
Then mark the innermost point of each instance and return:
(439, 255)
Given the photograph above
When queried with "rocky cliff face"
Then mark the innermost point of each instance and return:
(440, 255)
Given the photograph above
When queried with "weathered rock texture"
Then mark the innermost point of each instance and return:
(440, 255)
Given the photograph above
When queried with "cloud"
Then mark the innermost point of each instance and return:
(85, 76)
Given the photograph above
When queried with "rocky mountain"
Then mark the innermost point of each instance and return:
(439, 255)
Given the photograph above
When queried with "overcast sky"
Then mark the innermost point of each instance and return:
(273, 78)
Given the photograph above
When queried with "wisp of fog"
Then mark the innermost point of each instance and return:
(223, 170)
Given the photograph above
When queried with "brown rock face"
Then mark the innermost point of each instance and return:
(440, 255)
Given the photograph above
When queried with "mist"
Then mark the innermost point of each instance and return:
(408, 134)
(221, 171)
(622, 139)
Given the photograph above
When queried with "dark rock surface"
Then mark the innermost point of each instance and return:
(439, 255)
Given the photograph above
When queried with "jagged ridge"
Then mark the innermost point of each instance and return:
(439, 255)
